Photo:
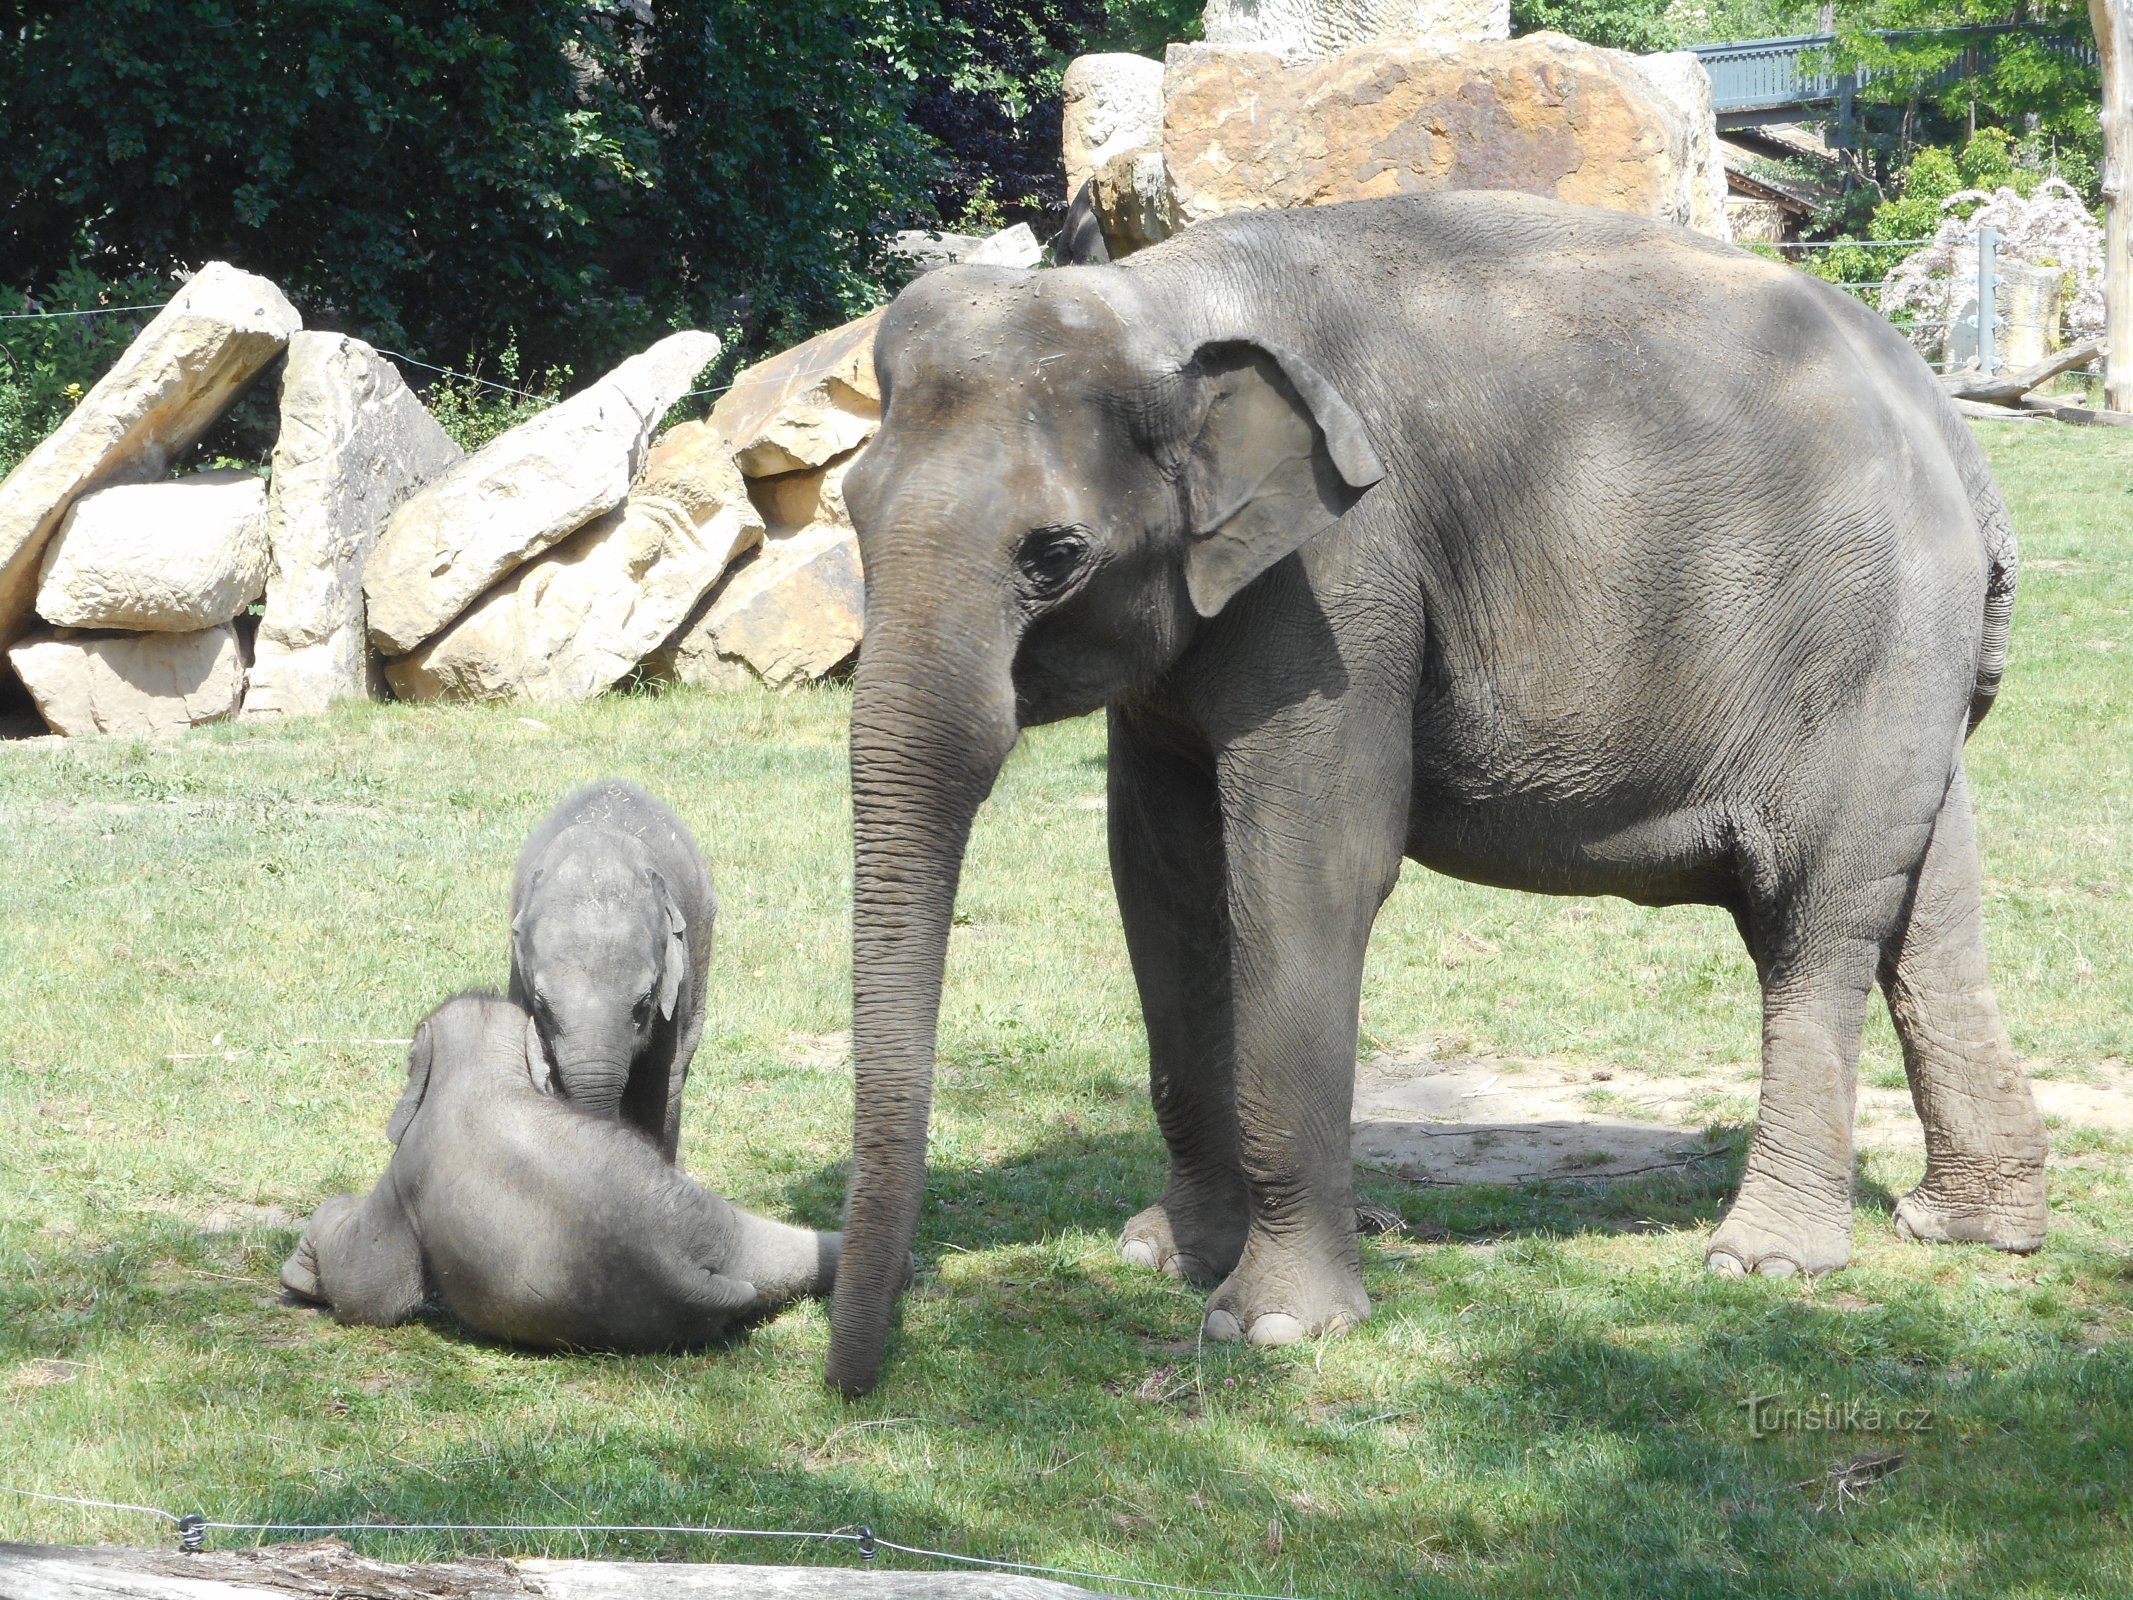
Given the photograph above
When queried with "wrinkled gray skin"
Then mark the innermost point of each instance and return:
(536, 1222)
(611, 918)
(1551, 548)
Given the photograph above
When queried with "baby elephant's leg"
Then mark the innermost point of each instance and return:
(784, 1263)
(359, 1257)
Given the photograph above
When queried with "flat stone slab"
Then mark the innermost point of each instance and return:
(326, 1569)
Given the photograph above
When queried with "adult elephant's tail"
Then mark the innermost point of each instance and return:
(1995, 528)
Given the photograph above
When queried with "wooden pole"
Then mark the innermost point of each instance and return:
(2113, 21)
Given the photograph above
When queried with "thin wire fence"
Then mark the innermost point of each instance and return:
(193, 1529)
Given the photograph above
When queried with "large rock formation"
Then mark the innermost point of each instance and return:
(132, 683)
(802, 408)
(522, 493)
(1109, 104)
(790, 614)
(171, 557)
(188, 364)
(1545, 114)
(575, 620)
(354, 444)
(1316, 30)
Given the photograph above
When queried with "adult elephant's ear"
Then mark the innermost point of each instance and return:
(1278, 455)
(418, 1083)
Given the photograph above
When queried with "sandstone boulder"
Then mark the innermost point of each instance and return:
(795, 500)
(523, 492)
(1010, 247)
(149, 684)
(790, 614)
(802, 408)
(575, 620)
(1544, 114)
(173, 557)
(1317, 30)
(354, 444)
(1109, 104)
(188, 364)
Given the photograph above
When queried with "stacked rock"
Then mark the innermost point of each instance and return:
(1307, 102)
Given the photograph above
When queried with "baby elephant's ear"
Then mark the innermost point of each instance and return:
(676, 965)
(418, 1083)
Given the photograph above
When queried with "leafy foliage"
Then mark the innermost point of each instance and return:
(1641, 25)
(436, 173)
(47, 363)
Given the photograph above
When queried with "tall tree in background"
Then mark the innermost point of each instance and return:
(441, 174)
(2113, 21)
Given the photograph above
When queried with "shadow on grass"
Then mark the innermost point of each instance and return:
(1516, 1421)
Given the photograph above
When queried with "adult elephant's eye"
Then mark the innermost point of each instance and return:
(1051, 558)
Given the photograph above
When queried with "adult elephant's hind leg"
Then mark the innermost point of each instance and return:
(1985, 1143)
(1816, 948)
(1167, 867)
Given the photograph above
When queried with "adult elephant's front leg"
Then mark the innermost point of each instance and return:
(1314, 829)
(1167, 866)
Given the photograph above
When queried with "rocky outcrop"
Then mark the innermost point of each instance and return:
(188, 364)
(1109, 105)
(522, 494)
(802, 408)
(576, 620)
(1544, 114)
(792, 613)
(170, 557)
(355, 443)
(148, 684)
(1317, 30)
(1131, 193)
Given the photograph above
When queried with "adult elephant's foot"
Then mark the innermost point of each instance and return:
(1780, 1235)
(1284, 1299)
(1196, 1237)
(2002, 1206)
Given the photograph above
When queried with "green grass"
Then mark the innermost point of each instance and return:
(200, 941)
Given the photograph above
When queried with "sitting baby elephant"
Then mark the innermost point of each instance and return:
(536, 1222)
(611, 916)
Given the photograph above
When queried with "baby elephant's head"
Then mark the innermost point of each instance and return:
(470, 1033)
(603, 949)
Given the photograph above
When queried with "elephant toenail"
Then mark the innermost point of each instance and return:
(1137, 1253)
(1276, 1327)
(1726, 1265)
(1222, 1327)
(1776, 1267)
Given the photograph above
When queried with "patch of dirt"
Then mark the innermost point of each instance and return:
(1489, 1120)
(45, 1373)
(820, 1052)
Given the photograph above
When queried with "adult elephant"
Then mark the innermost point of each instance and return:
(1552, 548)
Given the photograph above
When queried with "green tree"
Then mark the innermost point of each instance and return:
(1641, 25)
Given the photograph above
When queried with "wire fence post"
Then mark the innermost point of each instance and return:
(1988, 301)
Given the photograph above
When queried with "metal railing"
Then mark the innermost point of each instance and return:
(1798, 72)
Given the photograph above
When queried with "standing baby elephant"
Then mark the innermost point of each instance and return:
(535, 1222)
(611, 914)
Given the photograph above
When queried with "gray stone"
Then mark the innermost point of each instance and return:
(1318, 30)
(150, 684)
(172, 557)
(1109, 104)
(791, 614)
(354, 444)
(188, 364)
(522, 493)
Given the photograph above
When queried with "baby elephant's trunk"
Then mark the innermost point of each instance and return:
(783, 1262)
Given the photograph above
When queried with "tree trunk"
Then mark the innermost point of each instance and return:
(2113, 21)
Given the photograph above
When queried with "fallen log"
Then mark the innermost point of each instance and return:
(1986, 413)
(326, 1569)
(2060, 411)
(2005, 388)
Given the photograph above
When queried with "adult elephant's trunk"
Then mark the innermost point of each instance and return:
(930, 728)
